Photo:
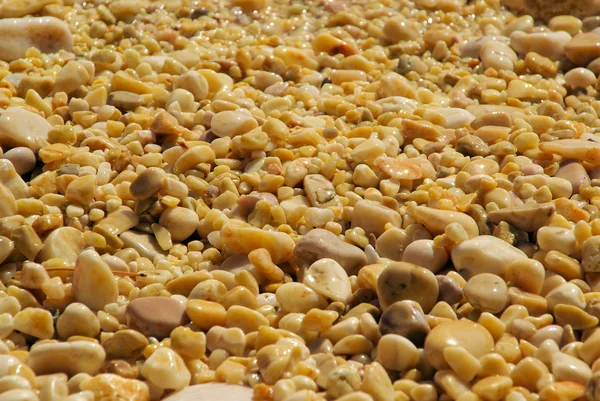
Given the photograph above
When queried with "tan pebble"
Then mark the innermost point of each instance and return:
(401, 281)
(22, 158)
(485, 254)
(342, 381)
(353, 344)
(527, 274)
(328, 279)
(245, 238)
(574, 172)
(566, 293)
(471, 336)
(580, 78)
(372, 217)
(568, 368)
(538, 64)
(111, 385)
(577, 318)
(70, 78)
(298, 298)
(222, 391)
(93, 282)
(395, 352)
(590, 254)
(487, 292)
(497, 55)
(320, 191)
(145, 244)
(398, 169)
(64, 243)
(452, 385)
(245, 318)
(424, 253)
(81, 191)
(181, 222)
(69, 357)
(124, 100)
(319, 244)
(193, 82)
(493, 388)
(549, 44)
(19, 395)
(19, 34)
(22, 128)
(436, 220)
(155, 316)
(163, 123)
(126, 343)
(166, 369)
(206, 314)
(377, 383)
(583, 48)
(462, 362)
(77, 320)
(550, 332)
(562, 391)
(36, 322)
(147, 184)
(232, 123)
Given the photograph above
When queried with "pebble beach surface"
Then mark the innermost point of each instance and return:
(299, 200)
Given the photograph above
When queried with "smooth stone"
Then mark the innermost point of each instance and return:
(213, 391)
(327, 278)
(244, 238)
(124, 100)
(424, 253)
(22, 158)
(580, 78)
(450, 117)
(548, 44)
(70, 78)
(372, 217)
(568, 368)
(485, 254)
(320, 244)
(231, 123)
(527, 217)
(64, 242)
(320, 191)
(472, 47)
(22, 128)
(471, 336)
(405, 318)
(112, 386)
(181, 222)
(583, 48)
(155, 316)
(436, 220)
(48, 34)
(94, 284)
(71, 357)
(574, 172)
(12, 180)
(404, 281)
(487, 292)
(166, 370)
(144, 244)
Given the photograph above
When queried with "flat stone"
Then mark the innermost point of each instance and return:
(583, 48)
(155, 316)
(213, 391)
(20, 127)
(48, 34)
(124, 100)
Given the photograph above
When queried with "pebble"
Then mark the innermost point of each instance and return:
(298, 298)
(22, 158)
(471, 336)
(323, 244)
(70, 78)
(574, 172)
(244, 238)
(77, 320)
(19, 395)
(395, 352)
(109, 385)
(487, 292)
(124, 100)
(436, 220)
(165, 369)
(48, 34)
(580, 78)
(231, 123)
(485, 254)
(424, 253)
(35, 322)
(472, 47)
(406, 319)
(568, 368)
(144, 244)
(530, 217)
(497, 55)
(180, 222)
(22, 128)
(73, 357)
(548, 44)
(404, 281)
(566, 293)
(590, 254)
(320, 191)
(583, 48)
(193, 82)
(155, 316)
(372, 217)
(93, 282)
(328, 279)
(147, 184)
(211, 391)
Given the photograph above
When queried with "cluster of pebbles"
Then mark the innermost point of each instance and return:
(344, 200)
